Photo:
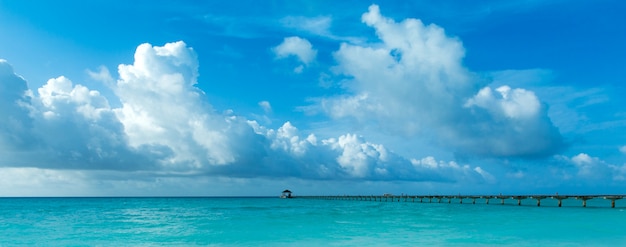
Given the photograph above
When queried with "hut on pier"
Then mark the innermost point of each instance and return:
(286, 194)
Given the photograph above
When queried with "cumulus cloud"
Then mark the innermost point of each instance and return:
(165, 127)
(161, 106)
(66, 126)
(517, 103)
(60, 104)
(595, 169)
(16, 125)
(298, 47)
(348, 157)
(413, 83)
(359, 158)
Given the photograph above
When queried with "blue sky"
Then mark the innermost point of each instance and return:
(249, 98)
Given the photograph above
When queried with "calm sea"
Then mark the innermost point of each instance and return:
(304, 222)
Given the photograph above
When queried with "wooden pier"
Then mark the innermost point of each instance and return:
(472, 198)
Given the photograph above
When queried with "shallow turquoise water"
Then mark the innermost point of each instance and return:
(303, 222)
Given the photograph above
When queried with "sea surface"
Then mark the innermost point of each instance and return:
(272, 221)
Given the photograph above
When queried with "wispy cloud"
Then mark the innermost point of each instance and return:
(266, 106)
(316, 25)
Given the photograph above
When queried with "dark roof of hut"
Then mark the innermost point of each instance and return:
(287, 191)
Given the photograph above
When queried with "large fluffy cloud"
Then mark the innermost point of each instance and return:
(161, 106)
(62, 126)
(165, 126)
(413, 82)
(16, 124)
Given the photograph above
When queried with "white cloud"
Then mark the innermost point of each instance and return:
(429, 162)
(413, 83)
(63, 126)
(622, 149)
(359, 158)
(266, 106)
(517, 103)
(583, 159)
(595, 169)
(298, 47)
(161, 106)
(486, 175)
(287, 139)
(59, 93)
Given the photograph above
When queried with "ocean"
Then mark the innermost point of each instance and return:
(209, 221)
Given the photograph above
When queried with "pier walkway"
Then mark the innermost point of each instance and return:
(468, 198)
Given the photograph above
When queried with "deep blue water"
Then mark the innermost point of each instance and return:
(304, 222)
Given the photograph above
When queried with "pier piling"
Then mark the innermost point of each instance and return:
(501, 199)
(560, 199)
(584, 199)
(613, 199)
(538, 198)
(519, 199)
(487, 199)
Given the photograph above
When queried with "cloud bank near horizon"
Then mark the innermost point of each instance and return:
(165, 125)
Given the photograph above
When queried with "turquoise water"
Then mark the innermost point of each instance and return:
(304, 222)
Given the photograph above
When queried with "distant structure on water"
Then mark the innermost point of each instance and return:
(286, 194)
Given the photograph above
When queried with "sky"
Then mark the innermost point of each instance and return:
(248, 98)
